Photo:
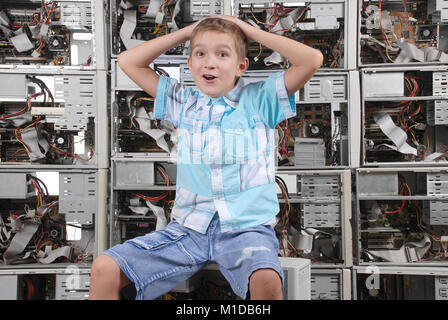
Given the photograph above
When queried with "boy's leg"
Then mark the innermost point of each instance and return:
(155, 263)
(265, 284)
(248, 259)
(106, 279)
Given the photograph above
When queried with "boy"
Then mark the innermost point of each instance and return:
(226, 201)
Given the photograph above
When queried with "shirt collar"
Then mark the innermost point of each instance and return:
(231, 98)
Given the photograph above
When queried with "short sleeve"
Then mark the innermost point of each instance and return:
(170, 100)
(271, 101)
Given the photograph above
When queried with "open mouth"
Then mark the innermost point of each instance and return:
(209, 77)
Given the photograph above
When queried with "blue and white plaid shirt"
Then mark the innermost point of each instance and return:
(226, 151)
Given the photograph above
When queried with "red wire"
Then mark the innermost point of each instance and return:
(167, 179)
(299, 123)
(24, 109)
(398, 210)
(152, 199)
(412, 93)
(16, 25)
(404, 3)
(285, 150)
(30, 287)
(401, 194)
(285, 225)
(381, 23)
(87, 245)
(40, 239)
(51, 13)
(15, 114)
(71, 154)
(162, 28)
(38, 192)
(279, 30)
(31, 294)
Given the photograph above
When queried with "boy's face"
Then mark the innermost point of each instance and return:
(214, 63)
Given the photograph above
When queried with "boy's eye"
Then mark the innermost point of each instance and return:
(199, 53)
(222, 54)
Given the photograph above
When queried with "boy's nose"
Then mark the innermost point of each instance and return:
(209, 63)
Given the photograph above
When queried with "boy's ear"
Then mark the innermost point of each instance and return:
(189, 62)
(242, 66)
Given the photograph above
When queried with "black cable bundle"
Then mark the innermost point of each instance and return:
(43, 87)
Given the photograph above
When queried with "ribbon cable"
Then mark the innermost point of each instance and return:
(52, 255)
(20, 241)
(409, 252)
(160, 215)
(144, 123)
(394, 133)
(34, 140)
(127, 29)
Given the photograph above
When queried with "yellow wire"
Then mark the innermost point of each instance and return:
(259, 52)
(387, 40)
(38, 198)
(292, 246)
(408, 84)
(17, 152)
(46, 9)
(298, 18)
(420, 225)
(387, 51)
(31, 124)
(258, 21)
(20, 131)
(74, 155)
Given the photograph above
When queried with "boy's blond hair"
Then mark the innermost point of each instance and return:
(224, 26)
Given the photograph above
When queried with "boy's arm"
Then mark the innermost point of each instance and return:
(305, 61)
(135, 62)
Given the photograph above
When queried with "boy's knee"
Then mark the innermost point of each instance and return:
(106, 279)
(265, 284)
(268, 276)
(104, 266)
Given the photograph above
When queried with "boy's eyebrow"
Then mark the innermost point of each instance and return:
(221, 46)
(225, 46)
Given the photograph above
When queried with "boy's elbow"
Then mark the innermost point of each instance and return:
(121, 59)
(318, 59)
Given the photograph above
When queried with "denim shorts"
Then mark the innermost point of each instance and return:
(159, 261)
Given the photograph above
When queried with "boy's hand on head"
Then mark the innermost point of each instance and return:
(190, 28)
(244, 26)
